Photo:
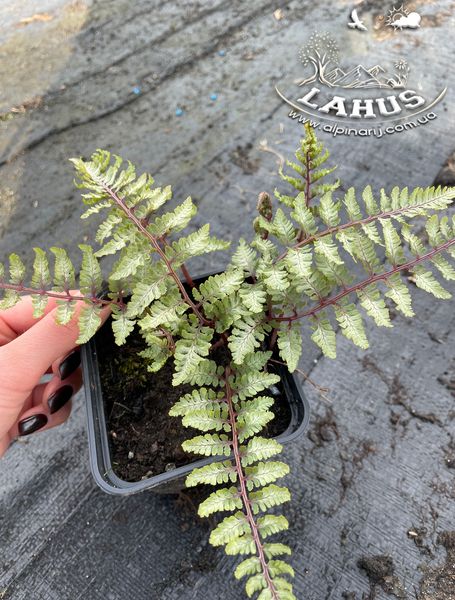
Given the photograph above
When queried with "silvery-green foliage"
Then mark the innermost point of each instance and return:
(298, 264)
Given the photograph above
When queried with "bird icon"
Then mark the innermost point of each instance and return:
(356, 22)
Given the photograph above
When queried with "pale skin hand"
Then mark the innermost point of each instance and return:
(30, 348)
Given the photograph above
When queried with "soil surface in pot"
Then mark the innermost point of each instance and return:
(144, 440)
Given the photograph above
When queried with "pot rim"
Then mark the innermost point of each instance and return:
(99, 452)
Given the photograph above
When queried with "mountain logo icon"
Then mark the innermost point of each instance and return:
(321, 54)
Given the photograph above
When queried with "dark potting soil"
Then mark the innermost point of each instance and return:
(144, 440)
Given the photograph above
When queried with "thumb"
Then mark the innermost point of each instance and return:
(24, 360)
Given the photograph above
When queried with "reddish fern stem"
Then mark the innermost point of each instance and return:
(373, 279)
(169, 338)
(154, 242)
(308, 179)
(183, 268)
(187, 276)
(22, 289)
(301, 234)
(273, 337)
(335, 229)
(243, 490)
(223, 341)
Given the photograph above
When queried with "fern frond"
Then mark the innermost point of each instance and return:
(270, 524)
(65, 311)
(121, 325)
(208, 373)
(279, 567)
(259, 449)
(399, 293)
(145, 292)
(41, 280)
(283, 228)
(225, 499)
(245, 258)
(290, 345)
(299, 261)
(274, 549)
(10, 296)
(16, 270)
(213, 474)
(264, 473)
(254, 297)
(90, 278)
(310, 157)
(229, 529)
(207, 420)
(157, 352)
(303, 216)
(210, 444)
(374, 305)
(255, 584)
(251, 383)
(268, 497)
(64, 278)
(299, 264)
(88, 323)
(246, 336)
(198, 400)
(194, 244)
(256, 405)
(351, 324)
(104, 172)
(165, 311)
(425, 280)
(173, 221)
(252, 422)
(241, 545)
(274, 277)
(249, 566)
(193, 345)
(324, 335)
(328, 210)
(219, 286)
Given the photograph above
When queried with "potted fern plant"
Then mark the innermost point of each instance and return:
(225, 335)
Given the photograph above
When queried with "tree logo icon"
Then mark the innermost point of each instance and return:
(321, 55)
(319, 52)
(378, 98)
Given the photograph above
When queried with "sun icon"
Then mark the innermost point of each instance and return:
(394, 15)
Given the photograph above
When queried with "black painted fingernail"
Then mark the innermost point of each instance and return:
(32, 424)
(69, 364)
(59, 398)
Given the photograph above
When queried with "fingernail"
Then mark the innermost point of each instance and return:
(32, 424)
(69, 364)
(59, 398)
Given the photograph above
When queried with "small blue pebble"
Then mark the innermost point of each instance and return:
(136, 90)
(213, 97)
(222, 52)
(178, 112)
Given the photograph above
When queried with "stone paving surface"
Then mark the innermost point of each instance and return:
(374, 474)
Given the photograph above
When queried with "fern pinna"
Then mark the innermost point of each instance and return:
(298, 265)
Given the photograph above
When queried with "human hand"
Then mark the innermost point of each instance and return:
(30, 348)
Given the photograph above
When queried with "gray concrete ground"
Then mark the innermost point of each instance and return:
(374, 475)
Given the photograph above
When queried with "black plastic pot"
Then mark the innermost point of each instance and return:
(170, 481)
